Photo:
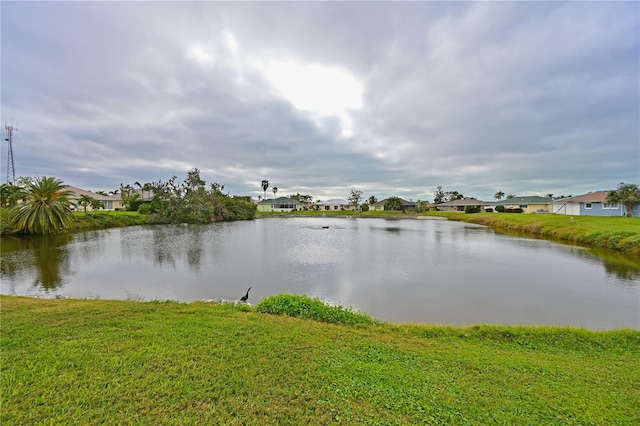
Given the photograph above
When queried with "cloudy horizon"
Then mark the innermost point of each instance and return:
(393, 99)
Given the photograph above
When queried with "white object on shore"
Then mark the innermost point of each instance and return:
(225, 302)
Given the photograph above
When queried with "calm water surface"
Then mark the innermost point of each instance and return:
(421, 271)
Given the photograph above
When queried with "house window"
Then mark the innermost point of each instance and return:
(611, 206)
(285, 206)
(523, 206)
(587, 205)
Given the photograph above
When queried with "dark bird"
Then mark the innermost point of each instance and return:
(246, 296)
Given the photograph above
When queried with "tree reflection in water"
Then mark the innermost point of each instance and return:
(626, 268)
(48, 255)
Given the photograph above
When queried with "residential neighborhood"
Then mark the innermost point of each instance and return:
(589, 204)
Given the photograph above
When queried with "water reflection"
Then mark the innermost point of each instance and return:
(623, 266)
(626, 268)
(45, 254)
(397, 270)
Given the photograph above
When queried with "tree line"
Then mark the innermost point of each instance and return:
(44, 205)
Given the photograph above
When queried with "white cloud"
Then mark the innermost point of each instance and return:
(200, 54)
(231, 42)
(319, 90)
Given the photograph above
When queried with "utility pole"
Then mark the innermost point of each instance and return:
(11, 168)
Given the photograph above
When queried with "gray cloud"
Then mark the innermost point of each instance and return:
(528, 98)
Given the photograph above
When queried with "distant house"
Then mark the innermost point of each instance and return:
(591, 204)
(110, 202)
(533, 204)
(382, 205)
(335, 204)
(462, 204)
(144, 195)
(280, 204)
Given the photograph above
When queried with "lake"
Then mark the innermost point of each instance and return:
(397, 270)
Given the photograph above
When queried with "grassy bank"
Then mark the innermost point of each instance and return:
(120, 362)
(91, 220)
(108, 219)
(616, 233)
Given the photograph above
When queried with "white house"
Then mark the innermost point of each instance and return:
(335, 204)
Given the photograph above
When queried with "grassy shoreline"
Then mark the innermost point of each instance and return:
(614, 233)
(115, 362)
(90, 221)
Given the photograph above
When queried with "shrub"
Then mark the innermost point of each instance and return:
(145, 208)
(308, 308)
(516, 210)
(500, 209)
(472, 209)
(488, 210)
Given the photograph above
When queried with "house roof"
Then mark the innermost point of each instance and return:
(467, 201)
(523, 200)
(280, 200)
(403, 201)
(79, 192)
(339, 201)
(591, 197)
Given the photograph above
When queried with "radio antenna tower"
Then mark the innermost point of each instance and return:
(11, 168)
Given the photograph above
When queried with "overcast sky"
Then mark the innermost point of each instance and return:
(321, 98)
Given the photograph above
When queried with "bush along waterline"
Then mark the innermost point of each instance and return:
(314, 309)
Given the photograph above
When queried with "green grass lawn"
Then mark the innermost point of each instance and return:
(617, 233)
(107, 219)
(122, 362)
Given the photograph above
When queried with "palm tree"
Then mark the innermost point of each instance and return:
(265, 185)
(372, 200)
(128, 195)
(628, 195)
(275, 189)
(96, 205)
(85, 201)
(46, 208)
(393, 203)
(499, 195)
(10, 194)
